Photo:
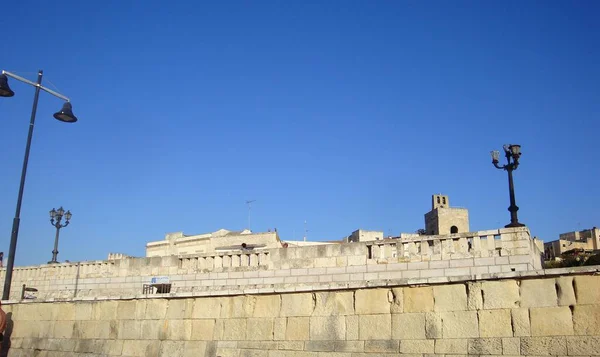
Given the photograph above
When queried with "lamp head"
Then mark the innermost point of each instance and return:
(5, 90)
(66, 114)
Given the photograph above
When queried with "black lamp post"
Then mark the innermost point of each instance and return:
(56, 216)
(64, 115)
(512, 153)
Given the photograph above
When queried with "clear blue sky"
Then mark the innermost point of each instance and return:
(346, 114)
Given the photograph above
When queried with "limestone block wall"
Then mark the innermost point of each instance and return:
(519, 316)
(424, 259)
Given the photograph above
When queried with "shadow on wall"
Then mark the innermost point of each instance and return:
(6, 336)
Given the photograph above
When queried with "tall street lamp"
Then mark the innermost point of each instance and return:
(512, 153)
(64, 115)
(56, 216)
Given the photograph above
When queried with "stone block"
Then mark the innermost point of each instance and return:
(260, 329)
(408, 326)
(297, 328)
(544, 346)
(327, 328)
(106, 310)
(82, 310)
(474, 296)
(156, 309)
(372, 301)
(202, 329)
(374, 327)
(586, 319)
(126, 310)
(451, 346)
(206, 308)
(290, 345)
(301, 304)
(484, 346)
(349, 346)
(180, 308)
(334, 303)
(538, 293)
(172, 348)
(324, 346)
(264, 305)
(551, 321)
(352, 327)
(566, 291)
(178, 329)
(417, 346)
(397, 303)
(459, 324)
(234, 329)
(495, 323)
(433, 325)
(150, 329)
(63, 329)
(587, 289)
(381, 346)
(500, 294)
(129, 329)
(418, 299)
(450, 297)
(583, 345)
(520, 322)
(140, 348)
(66, 312)
(511, 346)
(194, 348)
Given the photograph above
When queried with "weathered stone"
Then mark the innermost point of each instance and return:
(349, 346)
(297, 328)
(126, 310)
(374, 327)
(179, 329)
(129, 330)
(372, 301)
(500, 294)
(352, 327)
(451, 346)
(551, 321)
(155, 309)
(334, 303)
(279, 328)
(520, 322)
(485, 346)
(301, 304)
(495, 323)
(538, 293)
(327, 328)
(323, 346)
(418, 299)
(459, 324)
(234, 329)
(566, 291)
(583, 345)
(408, 326)
(172, 348)
(433, 325)
(511, 346)
(417, 346)
(263, 305)
(260, 329)
(290, 345)
(544, 346)
(140, 348)
(180, 308)
(586, 320)
(381, 346)
(205, 308)
(194, 348)
(397, 304)
(450, 297)
(587, 289)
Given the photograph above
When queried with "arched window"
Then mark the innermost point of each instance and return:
(453, 229)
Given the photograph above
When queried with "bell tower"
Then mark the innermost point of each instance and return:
(443, 219)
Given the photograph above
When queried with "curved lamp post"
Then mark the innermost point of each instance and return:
(64, 115)
(512, 153)
(56, 216)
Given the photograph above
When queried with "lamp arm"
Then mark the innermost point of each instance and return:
(498, 166)
(66, 224)
(24, 80)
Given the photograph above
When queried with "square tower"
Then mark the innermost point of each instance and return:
(443, 219)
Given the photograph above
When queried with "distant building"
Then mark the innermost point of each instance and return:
(220, 241)
(443, 219)
(587, 240)
(361, 235)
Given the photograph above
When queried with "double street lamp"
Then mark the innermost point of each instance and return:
(512, 153)
(56, 216)
(64, 115)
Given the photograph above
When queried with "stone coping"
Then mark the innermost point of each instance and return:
(332, 286)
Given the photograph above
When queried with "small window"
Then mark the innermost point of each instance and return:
(444, 200)
(453, 229)
(438, 199)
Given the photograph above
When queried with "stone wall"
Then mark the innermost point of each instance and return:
(517, 315)
(426, 259)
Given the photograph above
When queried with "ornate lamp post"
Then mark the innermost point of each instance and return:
(55, 218)
(65, 115)
(512, 153)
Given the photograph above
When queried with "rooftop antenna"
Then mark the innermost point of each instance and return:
(305, 231)
(249, 203)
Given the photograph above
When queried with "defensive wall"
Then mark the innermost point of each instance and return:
(423, 259)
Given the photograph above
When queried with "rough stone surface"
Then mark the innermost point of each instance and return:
(372, 301)
(418, 299)
(485, 346)
(450, 297)
(551, 321)
(327, 328)
(459, 324)
(538, 293)
(375, 327)
(566, 291)
(297, 304)
(334, 303)
(408, 326)
(520, 322)
(544, 346)
(586, 320)
(417, 346)
(583, 345)
(451, 346)
(587, 289)
(297, 328)
(495, 323)
(382, 346)
(500, 294)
